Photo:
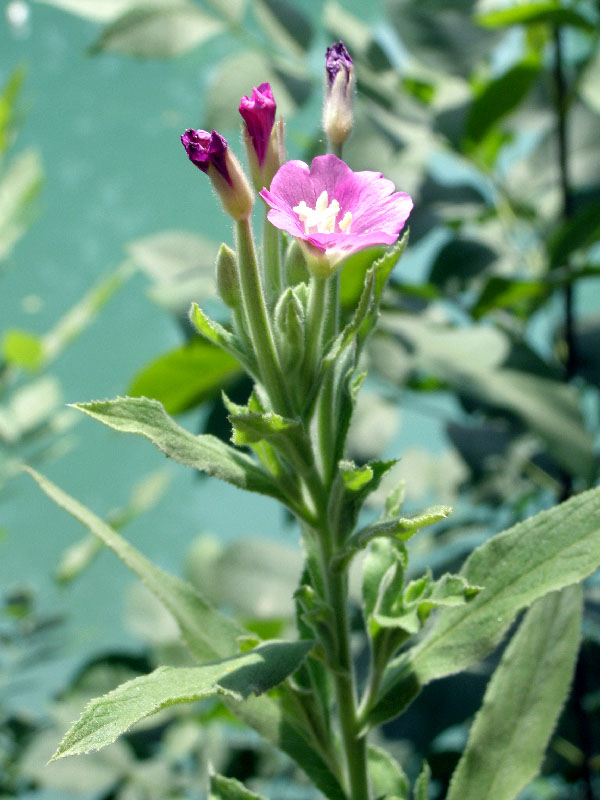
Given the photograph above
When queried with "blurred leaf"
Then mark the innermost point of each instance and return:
(442, 37)
(185, 377)
(421, 90)
(161, 31)
(254, 577)
(471, 360)
(421, 787)
(99, 10)
(516, 295)
(352, 278)
(22, 349)
(458, 262)
(8, 101)
(20, 182)
(552, 12)
(547, 552)
(222, 788)
(208, 633)
(148, 418)
(106, 718)
(287, 26)
(387, 776)
(522, 702)
(498, 98)
(83, 313)
(235, 77)
(589, 85)
(581, 231)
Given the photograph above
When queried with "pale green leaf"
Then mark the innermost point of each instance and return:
(19, 184)
(222, 788)
(548, 552)
(161, 31)
(206, 453)
(402, 528)
(387, 776)
(285, 23)
(522, 702)
(421, 787)
(98, 10)
(255, 672)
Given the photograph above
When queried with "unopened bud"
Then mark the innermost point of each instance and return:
(338, 116)
(296, 268)
(262, 137)
(211, 154)
(289, 326)
(228, 285)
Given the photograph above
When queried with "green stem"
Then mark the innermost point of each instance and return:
(272, 261)
(355, 745)
(316, 313)
(327, 402)
(259, 326)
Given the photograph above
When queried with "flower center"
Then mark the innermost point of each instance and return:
(322, 218)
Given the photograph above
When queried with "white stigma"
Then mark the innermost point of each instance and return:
(323, 216)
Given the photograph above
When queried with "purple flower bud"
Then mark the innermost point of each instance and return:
(210, 153)
(258, 112)
(204, 148)
(338, 116)
(337, 58)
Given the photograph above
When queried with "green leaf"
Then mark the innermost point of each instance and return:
(517, 295)
(553, 549)
(217, 334)
(206, 453)
(499, 97)
(458, 261)
(161, 31)
(522, 702)
(387, 776)
(255, 672)
(402, 528)
(229, 789)
(22, 349)
(186, 377)
(287, 25)
(208, 633)
(549, 12)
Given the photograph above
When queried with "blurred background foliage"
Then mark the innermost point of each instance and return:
(484, 372)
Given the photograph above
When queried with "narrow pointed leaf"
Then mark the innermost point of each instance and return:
(522, 702)
(206, 453)
(106, 718)
(208, 633)
(387, 776)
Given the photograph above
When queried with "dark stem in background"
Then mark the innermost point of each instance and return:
(561, 103)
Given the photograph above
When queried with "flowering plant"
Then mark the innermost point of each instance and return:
(307, 695)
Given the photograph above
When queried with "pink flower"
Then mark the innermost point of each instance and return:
(334, 211)
(258, 112)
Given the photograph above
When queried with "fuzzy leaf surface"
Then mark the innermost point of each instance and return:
(106, 718)
(206, 453)
(522, 702)
(543, 554)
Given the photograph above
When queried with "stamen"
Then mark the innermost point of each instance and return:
(322, 216)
